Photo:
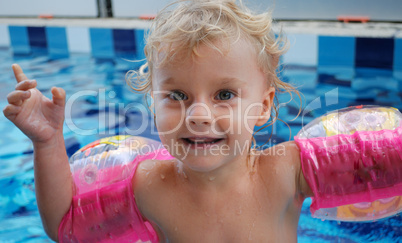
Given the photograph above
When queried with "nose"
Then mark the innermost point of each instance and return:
(199, 114)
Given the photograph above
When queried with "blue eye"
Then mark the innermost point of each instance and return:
(177, 95)
(225, 95)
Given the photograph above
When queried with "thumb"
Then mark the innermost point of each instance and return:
(59, 96)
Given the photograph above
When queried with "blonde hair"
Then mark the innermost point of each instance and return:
(203, 22)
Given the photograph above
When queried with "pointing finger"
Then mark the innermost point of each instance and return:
(18, 73)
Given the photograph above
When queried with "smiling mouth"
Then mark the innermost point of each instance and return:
(201, 141)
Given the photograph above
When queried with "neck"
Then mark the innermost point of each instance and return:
(221, 178)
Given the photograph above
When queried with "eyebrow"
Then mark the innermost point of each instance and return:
(228, 81)
(225, 81)
(167, 81)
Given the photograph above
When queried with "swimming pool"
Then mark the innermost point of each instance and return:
(102, 109)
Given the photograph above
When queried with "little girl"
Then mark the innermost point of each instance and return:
(211, 70)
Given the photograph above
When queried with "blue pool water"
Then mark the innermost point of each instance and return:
(103, 109)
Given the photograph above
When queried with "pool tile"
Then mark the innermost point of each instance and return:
(398, 58)
(372, 72)
(360, 84)
(374, 53)
(19, 39)
(124, 43)
(332, 79)
(78, 40)
(302, 50)
(102, 42)
(303, 79)
(4, 36)
(57, 42)
(37, 40)
(336, 51)
(140, 43)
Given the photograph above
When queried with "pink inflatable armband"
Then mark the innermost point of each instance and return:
(352, 161)
(103, 208)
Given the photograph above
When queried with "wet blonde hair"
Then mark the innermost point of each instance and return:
(203, 22)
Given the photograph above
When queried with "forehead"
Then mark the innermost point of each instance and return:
(170, 55)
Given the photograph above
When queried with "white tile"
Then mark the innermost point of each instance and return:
(4, 35)
(303, 50)
(78, 39)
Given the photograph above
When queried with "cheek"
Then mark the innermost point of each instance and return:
(224, 121)
(168, 120)
(250, 117)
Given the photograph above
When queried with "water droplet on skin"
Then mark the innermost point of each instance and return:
(249, 234)
(293, 167)
(239, 211)
(185, 175)
(250, 237)
(207, 214)
(162, 176)
(211, 178)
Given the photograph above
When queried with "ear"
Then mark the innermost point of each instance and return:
(268, 100)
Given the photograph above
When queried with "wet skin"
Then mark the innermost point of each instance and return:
(202, 196)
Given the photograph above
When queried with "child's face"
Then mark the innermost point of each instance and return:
(206, 108)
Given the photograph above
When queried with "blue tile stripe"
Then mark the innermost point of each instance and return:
(124, 43)
(19, 39)
(336, 51)
(37, 39)
(140, 43)
(374, 53)
(342, 51)
(102, 43)
(398, 55)
(57, 42)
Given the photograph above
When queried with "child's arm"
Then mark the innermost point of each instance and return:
(344, 168)
(41, 119)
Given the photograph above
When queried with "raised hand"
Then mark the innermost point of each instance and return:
(34, 114)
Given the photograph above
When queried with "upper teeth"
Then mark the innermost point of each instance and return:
(202, 140)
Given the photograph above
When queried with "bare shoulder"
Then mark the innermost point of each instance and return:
(151, 181)
(150, 187)
(284, 160)
(281, 155)
(150, 173)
